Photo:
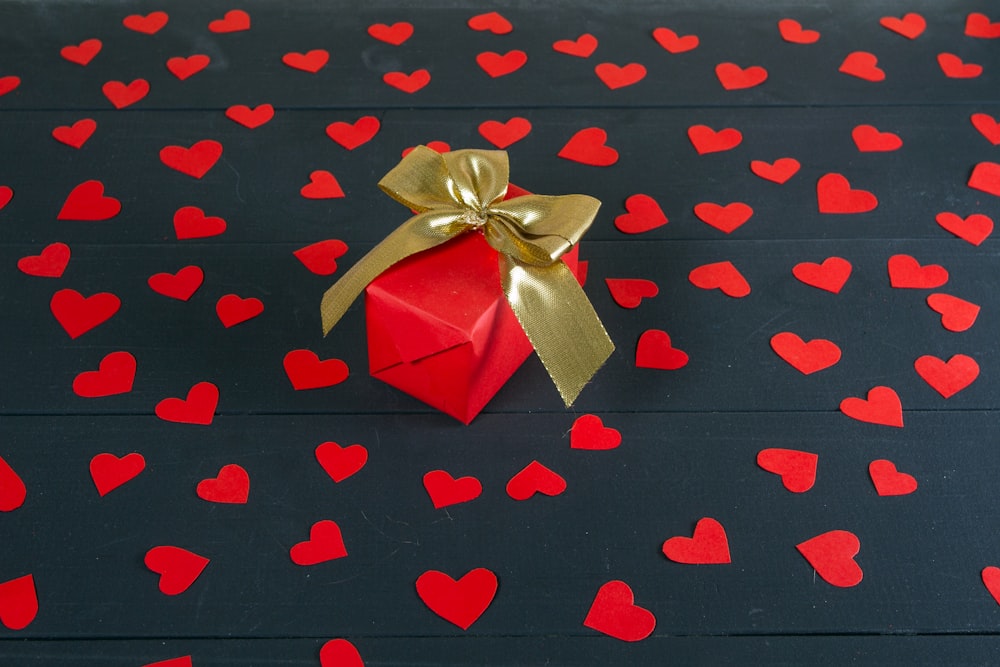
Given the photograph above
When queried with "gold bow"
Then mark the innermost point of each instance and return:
(463, 191)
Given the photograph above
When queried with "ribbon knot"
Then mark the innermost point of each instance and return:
(463, 191)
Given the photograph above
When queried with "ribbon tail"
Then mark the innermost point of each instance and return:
(560, 322)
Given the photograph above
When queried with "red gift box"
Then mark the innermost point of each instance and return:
(441, 329)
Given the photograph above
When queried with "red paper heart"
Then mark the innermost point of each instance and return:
(8, 84)
(991, 579)
(181, 285)
(832, 556)
(194, 161)
(905, 272)
(655, 350)
(341, 462)
(460, 602)
(881, 407)
(779, 171)
(12, 488)
(723, 276)
(18, 602)
(589, 432)
(807, 358)
(954, 67)
(190, 222)
(614, 613)
(791, 31)
(322, 185)
(581, 47)
(496, 64)
(408, 83)
(149, 24)
(947, 378)
(831, 275)
(235, 20)
(445, 490)
(986, 177)
(178, 568)
(869, 139)
(910, 26)
(75, 135)
(987, 126)
(185, 68)
(78, 314)
(974, 229)
(643, 215)
(6, 194)
(50, 263)
(321, 257)
(305, 370)
(797, 469)
(87, 202)
(503, 135)
(250, 117)
(352, 135)
(629, 292)
(394, 34)
(340, 653)
(724, 218)
(492, 22)
(82, 53)
(588, 146)
(862, 65)
(673, 42)
(109, 471)
(889, 481)
(535, 478)
(310, 61)
(706, 140)
(233, 309)
(197, 408)
(614, 76)
(115, 375)
(956, 314)
(707, 545)
(325, 543)
(978, 24)
(123, 95)
(231, 485)
(734, 77)
(835, 195)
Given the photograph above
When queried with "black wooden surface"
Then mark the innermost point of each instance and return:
(690, 437)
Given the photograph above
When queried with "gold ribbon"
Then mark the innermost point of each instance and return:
(463, 191)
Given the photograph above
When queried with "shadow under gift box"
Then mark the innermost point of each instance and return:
(440, 328)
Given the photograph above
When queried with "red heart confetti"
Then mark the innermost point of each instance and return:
(723, 276)
(535, 478)
(491, 22)
(9, 83)
(614, 76)
(181, 285)
(352, 135)
(18, 602)
(581, 47)
(310, 61)
(807, 358)
(643, 215)
(832, 554)
(954, 67)
(881, 407)
(445, 490)
(614, 613)
(629, 292)
(231, 486)
(986, 177)
(905, 272)
(956, 314)
(975, 229)
(911, 25)
(408, 83)
(12, 489)
(991, 579)
(149, 24)
(340, 653)
(394, 34)
(341, 462)
(792, 31)
(178, 568)
(197, 408)
(778, 171)
(110, 472)
(123, 95)
(869, 139)
(707, 545)
(889, 481)
(726, 218)
(460, 602)
(195, 161)
(947, 378)
(75, 135)
(235, 20)
(979, 25)
(325, 543)
(590, 433)
(987, 126)
(503, 135)
(233, 309)
(321, 257)
(190, 222)
(655, 350)
(734, 77)
(78, 314)
(250, 117)
(6, 194)
(114, 375)
(322, 185)
(497, 65)
(589, 146)
(82, 53)
(797, 469)
(831, 275)
(835, 195)
(305, 370)
(706, 140)
(50, 263)
(185, 68)
(87, 202)
(674, 43)
(862, 65)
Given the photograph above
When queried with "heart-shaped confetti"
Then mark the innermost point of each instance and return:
(198, 407)
(589, 146)
(734, 77)
(184, 68)
(491, 22)
(341, 462)
(115, 375)
(505, 134)
(986, 178)
(190, 222)
(311, 61)
(18, 602)
(77, 134)
(726, 218)
(979, 25)
(947, 377)
(643, 215)
(462, 601)
(122, 94)
(82, 53)
(50, 263)
(148, 24)
(870, 139)
(706, 140)
(8, 84)
(723, 276)
(233, 309)
(778, 171)
(497, 64)
(305, 370)
(590, 433)
(905, 272)
(87, 202)
(195, 161)
(987, 126)
(832, 554)
(535, 478)
(325, 543)
(180, 285)
(581, 47)
(629, 292)
(956, 314)
(862, 65)
(321, 257)
(954, 67)
(835, 195)
(655, 350)
(230, 486)
(445, 490)
(830, 275)
(797, 469)
(250, 117)
(6, 194)
(408, 83)
(394, 34)
(109, 472)
(889, 481)
(178, 568)
(792, 32)
(882, 406)
(352, 135)
(805, 357)
(235, 20)
(707, 545)
(975, 228)
(322, 185)
(12, 488)
(619, 76)
(614, 613)
(911, 25)
(340, 653)
(78, 314)
(674, 43)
